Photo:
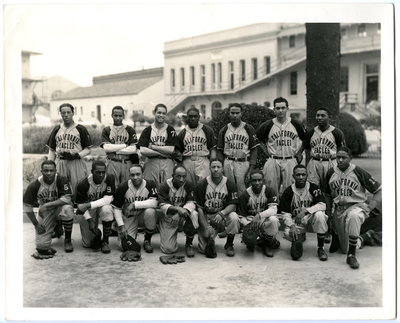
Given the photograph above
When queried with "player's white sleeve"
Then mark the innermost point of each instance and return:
(146, 204)
(66, 199)
(287, 219)
(118, 216)
(321, 206)
(128, 150)
(112, 148)
(51, 155)
(190, 206)
(272, 210)
(164, 207)
(107, 199)
(85, 152)
(27, 208)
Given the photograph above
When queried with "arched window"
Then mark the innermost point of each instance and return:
(216, 108)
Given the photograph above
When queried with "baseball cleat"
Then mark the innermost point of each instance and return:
(97, 241)
(296, 250)
(68, 247)
(322, 254)
(250, 248)
(147, 246)
(268, 252)
(189, 251)
(352, 261)
(230, 252)
(105, 248)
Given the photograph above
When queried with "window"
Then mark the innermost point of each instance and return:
(92, 114)
(192, 75)
(362, 30)
(293, 83)
(98, 112)
(344, 79)
(203, 111)
(267, 104)
(81, 111)
(255, 68)
(182, 77)
(219, 74)
(242, 70)
(372, 68)
(267, 64)
(378, 31)
(213, 74)
(216, 108)
(292, 41)
(203, 77)
(172, 79)
(231, 76)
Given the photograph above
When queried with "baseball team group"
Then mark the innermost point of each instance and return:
(198, 183)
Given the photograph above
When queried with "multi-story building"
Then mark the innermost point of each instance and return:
(137, 91)
(255, 64)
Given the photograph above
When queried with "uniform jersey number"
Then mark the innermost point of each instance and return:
(108, 189)
(234, 195)
(153, 191)
(317, 192)
(65, 187)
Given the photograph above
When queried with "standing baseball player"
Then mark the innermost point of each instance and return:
(238, 143)
(323, 142)
(198, 145)
(135, 203)
(257, 210)
(93, 197)
(303, 206)
(216, 199)
(346, 185)
(177, 205)
(280, 135)
(53, 192)
(119, 142)
(157, 142)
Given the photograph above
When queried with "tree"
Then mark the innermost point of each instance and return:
(137, 117)
(323, 70)
(353, 133)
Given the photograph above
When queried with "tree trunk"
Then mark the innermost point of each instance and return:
(323, 70)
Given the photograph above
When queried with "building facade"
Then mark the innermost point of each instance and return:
(255, 64)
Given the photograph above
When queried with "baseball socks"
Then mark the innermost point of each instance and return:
(106, 233)
(188, 247)
(351, 255)
(147, 241)
(230, 252)
(67, 224)
(321, 252)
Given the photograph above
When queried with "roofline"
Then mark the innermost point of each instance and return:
(91, 97)
(31, 53)
(155, 69)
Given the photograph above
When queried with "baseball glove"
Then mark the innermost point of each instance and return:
(296, 250)
(210, 251)
(219, 227)
(249, 236)
(96, 241)
(177, 156)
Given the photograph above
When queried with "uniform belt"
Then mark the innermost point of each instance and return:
(323, 159)
(239, 159)
(278, 157)
(195, 157)
(158, 157)
(119, 160)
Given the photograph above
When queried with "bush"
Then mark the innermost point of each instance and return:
(353, 133)
(253, 115)
(372, 122)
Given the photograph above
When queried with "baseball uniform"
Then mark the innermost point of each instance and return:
(323, 147)
(73, 140)
(195, 145)
(100, 197)
(43, 193)
(168, 196)
(119, 164)
(158, 168)
(236, 144)
(348, 192)
(145, 201)
(280, 140)
(213, 198)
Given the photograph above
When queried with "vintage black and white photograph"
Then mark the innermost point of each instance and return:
(199, 161)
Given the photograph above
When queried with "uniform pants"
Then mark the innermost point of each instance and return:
(314, 223)
(236, 172)
(146, 218)
(104, 213)
(119, 170)
(317, 170)
(169, 234)
(158, 170)
(65, 212)
(269, 226)
(232, 226)
(74, 170)
(196, 169)
(279, 172)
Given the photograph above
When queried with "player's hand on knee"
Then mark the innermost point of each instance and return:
(293, 232)
(122, 232)
(175, 220)
(40, 229)
(83, 207)
(255, 225)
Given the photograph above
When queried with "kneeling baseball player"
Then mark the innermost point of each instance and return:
(178, 208)
(135, 204)
(53, 192)
(303, 206)
(257, 209)
(216, 199)
(93, 197)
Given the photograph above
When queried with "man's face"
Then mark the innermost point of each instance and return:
(136, 176)
(179, 177)
(160, 115)
(343, 160)
(193, 119)
(98, 174)
(280, 109)
(300, 177)
(322, 118)
(66, 115)
(49, 173)
(118, 115)
(235, 114)
(257, 181)
(216, 169)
